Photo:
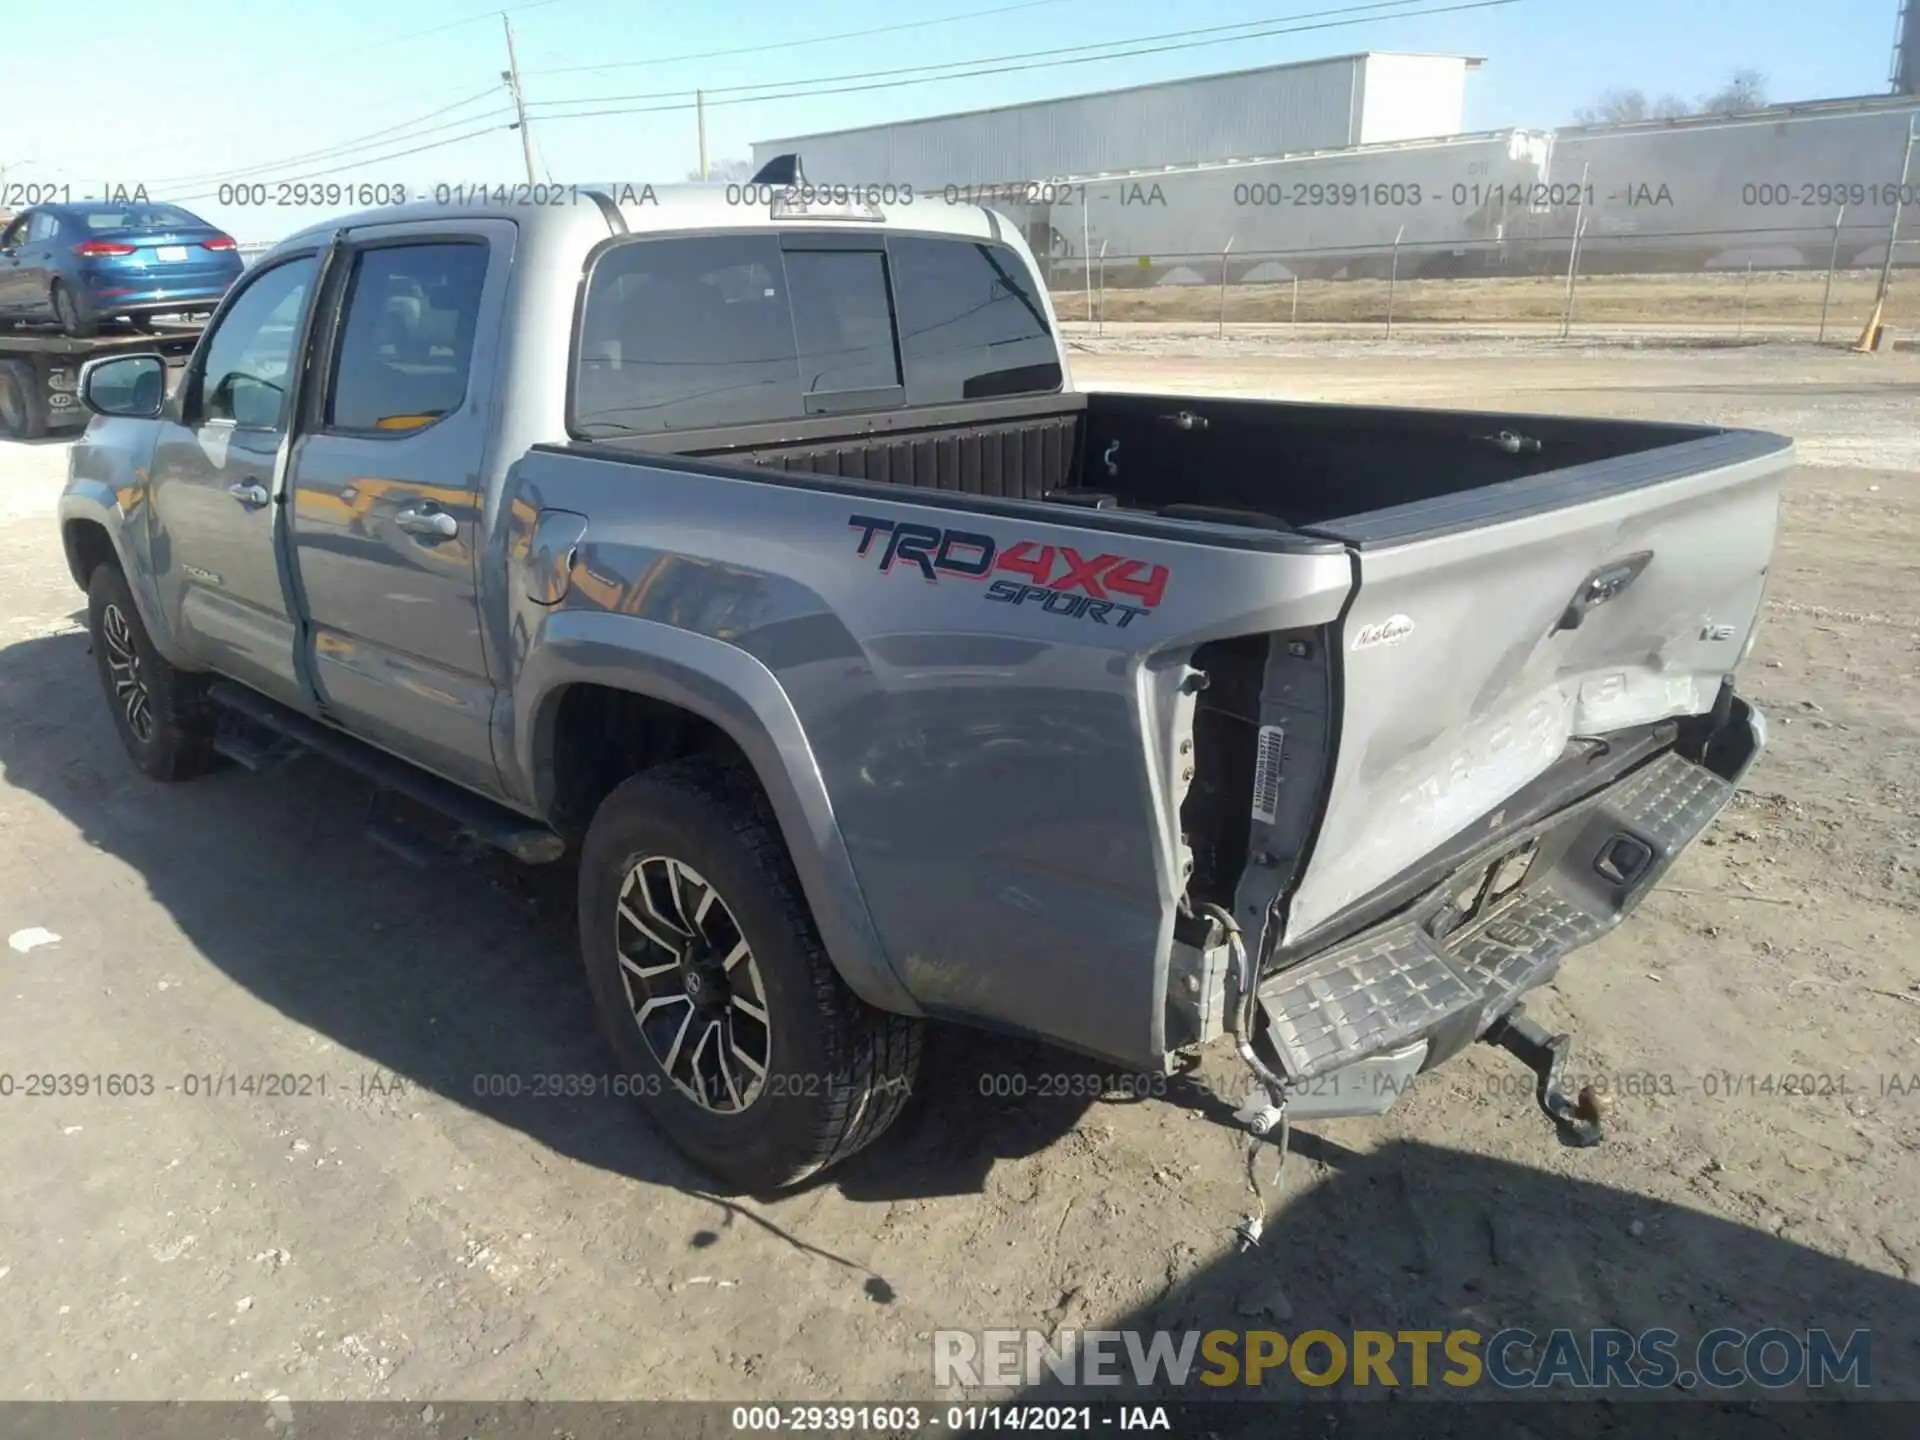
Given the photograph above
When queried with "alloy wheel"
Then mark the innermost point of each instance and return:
(692, 984)
(123, 665)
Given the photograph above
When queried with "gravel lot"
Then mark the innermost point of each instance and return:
(398, 1235)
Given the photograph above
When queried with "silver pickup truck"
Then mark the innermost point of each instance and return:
(753, 548)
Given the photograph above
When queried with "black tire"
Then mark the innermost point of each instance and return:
(23, 409)
(72, 317)
(836, 1071)
(165, 721)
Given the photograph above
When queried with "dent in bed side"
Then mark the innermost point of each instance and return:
(723, 684)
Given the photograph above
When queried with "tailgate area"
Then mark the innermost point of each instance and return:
(1447, 967)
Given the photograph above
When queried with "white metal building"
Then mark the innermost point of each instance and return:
(1279, 109)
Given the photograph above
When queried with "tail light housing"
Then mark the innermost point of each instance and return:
(94, 249)
(219, 242)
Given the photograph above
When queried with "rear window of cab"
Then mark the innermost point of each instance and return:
(711, 331)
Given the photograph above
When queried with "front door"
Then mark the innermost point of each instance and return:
(216, 485)
(386, 493)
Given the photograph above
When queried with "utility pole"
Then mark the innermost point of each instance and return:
(1870, 336)
(700, 116)
(512, 76)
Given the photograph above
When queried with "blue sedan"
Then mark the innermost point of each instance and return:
(79, 264)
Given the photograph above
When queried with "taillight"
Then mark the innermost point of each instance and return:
(219, 242)
(89, 249)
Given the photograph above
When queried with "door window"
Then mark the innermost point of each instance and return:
(15, 234)
(406, 345)
(43, 227)
(249, 357)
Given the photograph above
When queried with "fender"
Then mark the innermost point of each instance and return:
(725, 685)
(120, 512)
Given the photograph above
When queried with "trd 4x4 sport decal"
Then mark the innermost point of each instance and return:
(1057, 578)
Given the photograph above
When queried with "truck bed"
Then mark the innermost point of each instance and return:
(1332, 471)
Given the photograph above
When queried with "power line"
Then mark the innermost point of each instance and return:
(389, 134)
(375, 159)
(431, 30)
(795, 44)
(899, 70)
(1030, 60)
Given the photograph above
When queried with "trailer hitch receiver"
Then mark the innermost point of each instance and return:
(1577, 1119)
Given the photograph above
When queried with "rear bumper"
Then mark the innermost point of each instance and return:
(1409, 993)
(126, 294)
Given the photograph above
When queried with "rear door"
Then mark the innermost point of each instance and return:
(1492, 627)
(217, 477)
(386, 503)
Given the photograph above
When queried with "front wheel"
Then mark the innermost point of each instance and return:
(729, 1022)
(164, 719)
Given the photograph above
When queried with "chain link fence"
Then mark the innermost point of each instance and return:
(1827, 284)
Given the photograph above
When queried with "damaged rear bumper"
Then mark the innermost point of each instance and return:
(1349, 1028)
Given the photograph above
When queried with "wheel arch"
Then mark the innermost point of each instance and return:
(102, 514)
(668, 693)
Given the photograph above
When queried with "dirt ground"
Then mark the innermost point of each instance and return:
(1732, 300)
(407, 1234)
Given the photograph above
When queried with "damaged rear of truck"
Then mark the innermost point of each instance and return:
(1402, 817)
(1150, 720)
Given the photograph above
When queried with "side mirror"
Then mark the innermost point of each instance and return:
(132, 387)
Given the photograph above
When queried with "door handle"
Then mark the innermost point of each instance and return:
(250, 493)
(437, 523)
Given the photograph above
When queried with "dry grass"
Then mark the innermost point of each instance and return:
(1774, 297)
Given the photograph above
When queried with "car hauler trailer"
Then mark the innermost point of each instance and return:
(40, 373)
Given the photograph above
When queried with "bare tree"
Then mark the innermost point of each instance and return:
(1744, 90)
(732, 170)
(1614, 107)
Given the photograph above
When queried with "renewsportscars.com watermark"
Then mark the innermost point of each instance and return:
(1510, 1359)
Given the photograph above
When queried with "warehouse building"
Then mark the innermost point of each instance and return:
(1327, 104)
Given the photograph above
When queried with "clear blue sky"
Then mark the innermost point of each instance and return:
(160, 94)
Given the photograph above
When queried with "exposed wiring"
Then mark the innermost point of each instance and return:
(1278, 1130)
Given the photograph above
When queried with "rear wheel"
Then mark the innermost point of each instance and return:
(729, 1022)
(71, 317)
(163, 716)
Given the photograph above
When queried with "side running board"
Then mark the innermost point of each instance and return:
(526, 840)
